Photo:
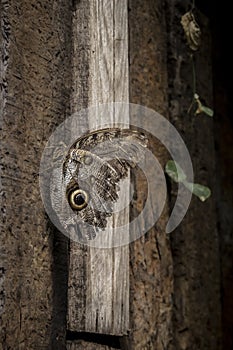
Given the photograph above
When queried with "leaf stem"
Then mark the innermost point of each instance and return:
(194, 82)
(194, 75)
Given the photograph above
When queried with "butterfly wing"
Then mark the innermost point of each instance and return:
(95, 164)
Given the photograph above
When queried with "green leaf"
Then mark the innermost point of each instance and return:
(174, 171)
(202, 192)
(208, 111)
(201, 108)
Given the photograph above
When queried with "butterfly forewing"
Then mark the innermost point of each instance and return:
(95, 164)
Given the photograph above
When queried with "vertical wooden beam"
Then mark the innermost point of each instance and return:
(98, 296)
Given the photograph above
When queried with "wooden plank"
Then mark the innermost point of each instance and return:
(98, 295)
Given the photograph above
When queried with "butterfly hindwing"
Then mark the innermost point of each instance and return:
(92, 171)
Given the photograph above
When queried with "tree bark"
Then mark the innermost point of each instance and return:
(34, 99)
(151, 264)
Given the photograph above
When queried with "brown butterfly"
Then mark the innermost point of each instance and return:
(92, 170)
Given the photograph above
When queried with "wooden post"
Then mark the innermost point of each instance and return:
(98, 296)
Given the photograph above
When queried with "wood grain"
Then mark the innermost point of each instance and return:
(34, 98)
(98, 296)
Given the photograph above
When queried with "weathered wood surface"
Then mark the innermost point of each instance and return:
(34, 98)
(98, 296)
(151, 266)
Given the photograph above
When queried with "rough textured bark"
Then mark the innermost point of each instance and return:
(35, 97)
(151, 280)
